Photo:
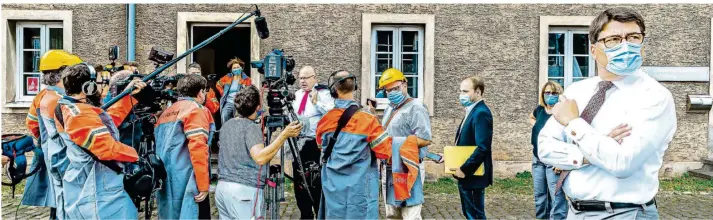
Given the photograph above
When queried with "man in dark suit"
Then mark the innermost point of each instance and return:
(476, 129)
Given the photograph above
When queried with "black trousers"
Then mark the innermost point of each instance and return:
(204, 208)
(53, 213)
(310, 155)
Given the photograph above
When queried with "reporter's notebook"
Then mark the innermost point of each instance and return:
(455, 156)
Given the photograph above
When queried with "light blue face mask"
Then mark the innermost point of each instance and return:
(551, 100)
(465, 100)
(396, 97)
(239, 72)
(624, 59)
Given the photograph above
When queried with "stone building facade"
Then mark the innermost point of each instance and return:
(510, 45)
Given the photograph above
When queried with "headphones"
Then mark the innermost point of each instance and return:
(332, 82)
(90, 87)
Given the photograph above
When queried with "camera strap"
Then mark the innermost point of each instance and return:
(343, 120)
(110, 164)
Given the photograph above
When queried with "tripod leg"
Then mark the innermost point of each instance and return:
(300, 166)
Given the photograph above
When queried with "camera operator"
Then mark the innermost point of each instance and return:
(242, 156)
(182, 137)
(228, 87)
(129, 133)
(92, 188)
(314, 102)
(211, 102)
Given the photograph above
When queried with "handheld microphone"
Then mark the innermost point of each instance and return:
(261, 27)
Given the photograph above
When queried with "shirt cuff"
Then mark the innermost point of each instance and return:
(577, 129)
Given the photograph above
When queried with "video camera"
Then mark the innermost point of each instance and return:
(277, 68)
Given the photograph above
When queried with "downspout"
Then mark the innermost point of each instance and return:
(131, 26)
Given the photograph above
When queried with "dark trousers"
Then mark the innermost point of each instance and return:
(472, 202)
(53, 213)
(204, 208)
(309, 155)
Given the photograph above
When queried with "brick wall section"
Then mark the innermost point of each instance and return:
(498, 42)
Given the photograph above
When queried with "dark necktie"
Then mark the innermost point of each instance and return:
(588, 114)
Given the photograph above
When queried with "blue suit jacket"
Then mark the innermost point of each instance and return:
(477, 131)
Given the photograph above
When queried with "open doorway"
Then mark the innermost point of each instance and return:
(214, 57)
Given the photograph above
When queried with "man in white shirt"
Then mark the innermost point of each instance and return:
(609, 133)
(312, 101)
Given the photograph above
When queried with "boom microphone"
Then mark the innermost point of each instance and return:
(261, 27)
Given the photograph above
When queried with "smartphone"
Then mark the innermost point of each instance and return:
(433, 156)
(371, 102)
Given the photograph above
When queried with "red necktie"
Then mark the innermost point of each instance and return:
(303, 103)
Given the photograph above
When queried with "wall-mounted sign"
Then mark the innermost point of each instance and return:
(32, 85)
(678, 74)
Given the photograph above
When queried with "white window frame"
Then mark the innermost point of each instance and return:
(547, 22)
(569, 54)
(397, 57)
(44, 47)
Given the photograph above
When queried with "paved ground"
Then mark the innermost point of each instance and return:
(445, 206)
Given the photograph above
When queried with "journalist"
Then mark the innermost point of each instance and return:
(242, 157)
(182, 137)
(93, 182)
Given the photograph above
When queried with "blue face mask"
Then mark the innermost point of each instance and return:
(551, 100)
(465, 100)
(396, 97)
(624, 59)
(240, 72)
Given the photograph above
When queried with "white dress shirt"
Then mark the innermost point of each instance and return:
(626, 172)
(312, 112)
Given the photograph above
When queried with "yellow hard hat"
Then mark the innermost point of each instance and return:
(56, 59)
(390, 75)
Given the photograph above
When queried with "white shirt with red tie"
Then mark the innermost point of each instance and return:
(312, 112)
(626, 172)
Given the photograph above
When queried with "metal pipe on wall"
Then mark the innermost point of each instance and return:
(131, 26)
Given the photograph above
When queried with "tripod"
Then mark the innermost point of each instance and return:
(275, 191)
(147, 149)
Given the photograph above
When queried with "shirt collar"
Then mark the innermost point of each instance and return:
(627, 81)
(471, 107)
(57, 89)
(344, 103)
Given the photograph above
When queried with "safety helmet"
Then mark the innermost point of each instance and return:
(390, 75)
(56, 59)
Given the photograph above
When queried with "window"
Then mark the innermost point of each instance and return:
(399, 47)
(33, 40)
(568, 58)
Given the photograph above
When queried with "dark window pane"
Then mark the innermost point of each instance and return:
(383, 62)
(412, 86)
(31, 61)
(580, 44)
(558, 80)
(409, 64)
(580, 67)
(409, 41)
(31, 38)
(556, 43)
(56, 38)
(384, 41)
(555, 66)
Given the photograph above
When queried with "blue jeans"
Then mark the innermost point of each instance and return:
(547, 204)
(472, 202)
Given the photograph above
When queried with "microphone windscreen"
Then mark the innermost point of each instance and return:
(261, 26)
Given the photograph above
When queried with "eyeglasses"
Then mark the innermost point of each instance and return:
(306, 77)
(551, 93)
(395, 88)
(613, 41)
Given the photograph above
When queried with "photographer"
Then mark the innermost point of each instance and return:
(129, 133)
(92, 189)
(229, 86)
(211, 102)
(314, 102)
(242, 155)
(182, 137)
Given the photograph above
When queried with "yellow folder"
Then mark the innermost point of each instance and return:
(455, 156)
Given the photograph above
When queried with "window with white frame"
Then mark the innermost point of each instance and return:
(399, 47)
(568, 58)
(33, 40)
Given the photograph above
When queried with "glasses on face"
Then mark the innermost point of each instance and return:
(395, 88)
(613, 41)
(306, 77)
(551, 93)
